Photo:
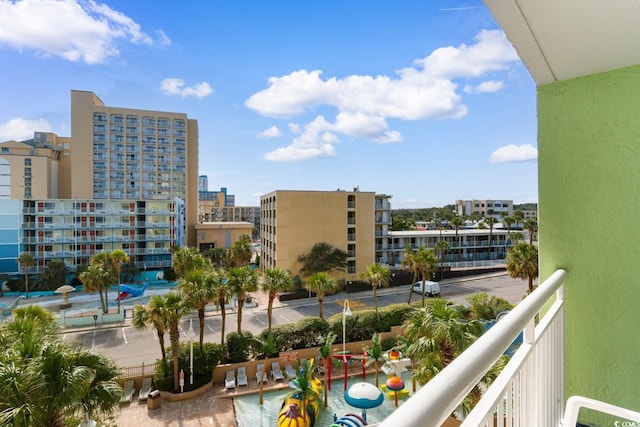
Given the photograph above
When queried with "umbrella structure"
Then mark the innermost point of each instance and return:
(395, 384)
(363, 396)
(64, 290)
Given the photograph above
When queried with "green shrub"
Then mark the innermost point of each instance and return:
(169, 275)
(307, 332)
(239, 346)
(388, 343)
(483, 307)
(203, 364)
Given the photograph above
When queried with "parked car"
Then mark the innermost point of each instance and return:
(431, 289)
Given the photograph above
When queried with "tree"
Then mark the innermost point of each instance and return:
(490, 220)
(442, 246)
(102, 263)
(240, 252)
(375, 355)
(198, 292)
(522, 262)
(275, 280)
(116, 259)
(47, 382)
(438, 334)
(321, 284)
(152, 314)
(241, 281)
(26, 261)
(426, 261)
(457, 222)
(54, 275)
(508, 220)
(96, 279)
(219, 257)
(377, 275)
(268, 347)
(218, 281)
(175, 308)
(322, 258)
(129, 272)
(326, 348)
(409, 260)
(532, 226)
(187, 259)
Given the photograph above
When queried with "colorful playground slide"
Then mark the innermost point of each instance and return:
(307, 394)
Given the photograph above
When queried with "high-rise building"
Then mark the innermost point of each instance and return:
(203, 183)
(468, 207)
(125, 179)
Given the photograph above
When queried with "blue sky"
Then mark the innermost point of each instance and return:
(423, 100)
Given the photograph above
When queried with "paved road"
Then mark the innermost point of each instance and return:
(127, 345)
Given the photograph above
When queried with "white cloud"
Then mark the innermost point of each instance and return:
(316, 140)
(272, 132)
(364, 104)
(485, 87)
(514, 153)
(175, 86)
(84, 31)
(20, 129)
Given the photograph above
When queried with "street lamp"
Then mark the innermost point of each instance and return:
(346, 311)
(191, 335)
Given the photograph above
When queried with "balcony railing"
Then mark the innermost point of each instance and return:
(530, 389)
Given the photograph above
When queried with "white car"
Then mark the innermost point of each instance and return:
(431, 289)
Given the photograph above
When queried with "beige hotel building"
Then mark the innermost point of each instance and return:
(291, 222)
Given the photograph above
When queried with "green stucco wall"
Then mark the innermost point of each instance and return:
(589, 207)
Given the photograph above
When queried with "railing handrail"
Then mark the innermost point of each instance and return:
(437, 399)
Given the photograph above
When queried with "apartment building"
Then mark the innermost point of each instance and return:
(468, 207)
(124, 176)
(291, 222)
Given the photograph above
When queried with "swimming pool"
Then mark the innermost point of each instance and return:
(250, 414)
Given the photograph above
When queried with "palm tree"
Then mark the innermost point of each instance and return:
(426, 261)
(152, 314)
(117, 258)
(187, 259)
(321, 283)
(508, 220)
(457, 222)
(47, 382)
(240, 252)
(102, 262)
(490, 220)
(522, 262)
(53, 275)
(223, 294)
(326, 348)
(268, 347)
(241, 281)
(531, 225)
(409, 260)
(377, 275)
(323, 257)
(442, 246)
(26, 261)
(275, 280)
(175, 308)
(96, 278)
(375, 355)
(197, 290)
(438, 335)
(219, 257)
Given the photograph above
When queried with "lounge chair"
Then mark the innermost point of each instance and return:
(129, 390)
(242, 375)
(260, 373)
(276, 372)
(230, 379)
(145, 389)
(291, 373)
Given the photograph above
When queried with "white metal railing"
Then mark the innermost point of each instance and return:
(530, 389)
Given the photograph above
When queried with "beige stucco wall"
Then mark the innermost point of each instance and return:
(221, 234)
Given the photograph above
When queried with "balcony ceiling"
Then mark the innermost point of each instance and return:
(563, 39)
